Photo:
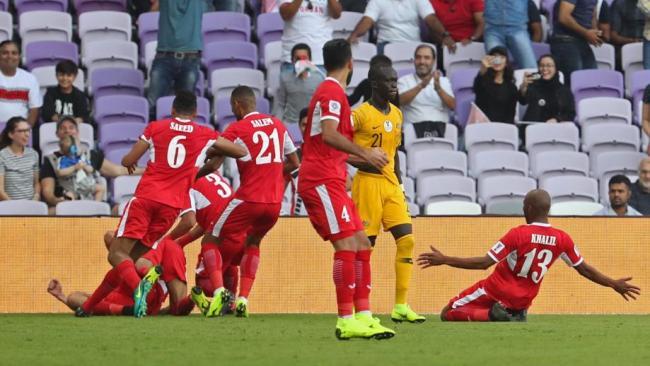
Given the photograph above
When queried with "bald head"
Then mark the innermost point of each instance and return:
(537, 203)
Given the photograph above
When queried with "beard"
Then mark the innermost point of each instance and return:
(644, 185)
(349, 79)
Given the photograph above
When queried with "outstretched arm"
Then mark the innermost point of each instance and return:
(436, 258)
(619, 285)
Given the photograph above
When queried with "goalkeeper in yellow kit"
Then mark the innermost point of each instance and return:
(379, 195)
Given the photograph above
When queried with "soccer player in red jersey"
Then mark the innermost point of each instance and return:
(255, 207)
(321, 184)
(524, 255)
(177, 146)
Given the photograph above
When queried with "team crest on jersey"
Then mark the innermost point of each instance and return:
(335, 107)
(498, 247)
(388, 126)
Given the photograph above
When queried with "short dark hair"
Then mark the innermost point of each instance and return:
(424, 45)
(381, 60)
(9, 41)
(184, 103)
(244, 94)
(378, 71)
(620, 178)
(300, 46)
(67, 67)
(336, 54)
(10, 127)
(66, 119)
(303, 114)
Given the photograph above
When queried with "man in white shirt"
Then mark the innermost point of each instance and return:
(619, 196)
(425, 95)
(399, 21)
(20, 93)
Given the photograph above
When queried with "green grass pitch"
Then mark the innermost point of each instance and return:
(309, 340)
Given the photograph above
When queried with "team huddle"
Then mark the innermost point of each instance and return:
(147, 258)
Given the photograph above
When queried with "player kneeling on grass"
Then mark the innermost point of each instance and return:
(524, 255)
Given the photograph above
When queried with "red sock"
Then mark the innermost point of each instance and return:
(183, 307)
(142, 271)
(129, 275)
(363, 281)
(110, 282)
(231, 278)
(249, 263)
(108, 308)
(467, 313)
(344, 275)
(213, 265)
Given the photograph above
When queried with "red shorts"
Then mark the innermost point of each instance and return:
(242, 219)
(474, 296)
(331, 211)
(172, 258)
(146, 220)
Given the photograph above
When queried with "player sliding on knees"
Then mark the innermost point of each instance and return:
(524, 255)
(378, 193)
(178, 145)
(255, 206)
(321, 184)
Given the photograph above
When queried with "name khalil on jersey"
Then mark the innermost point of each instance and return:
(542, 239)
(257, 123)
(181, 128)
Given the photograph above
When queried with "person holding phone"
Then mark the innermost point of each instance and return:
(494, 86)
(547, 98)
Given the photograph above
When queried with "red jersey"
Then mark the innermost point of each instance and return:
(177, 147)
(209, 196)
(529, 251)
(321, 162)
(260, 171)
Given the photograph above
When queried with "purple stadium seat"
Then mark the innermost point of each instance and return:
(631, 62)
(463, 107)
(116, 153)
(466, 57)
(122, 134)
(147, 30)
(490, 136)
(229, 54)
(23, 207)
(103, 26)
(49, 53)
(44, 25)
(462, 82)
(295, 133)
(83, 6)
(596, 83)
(4, 5)
(541, 49)
(640, 80)
(223, 115)
(116, 81)
(31, 5)
(402, 54)
(448, 142)
(226, 26)
(6, 25)
(113, 109)
(269, 29)
(164, 109)
(111, 53)
(223, 81)
(605, 56)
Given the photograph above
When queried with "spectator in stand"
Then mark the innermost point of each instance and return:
(574, 30)
(224, 5)
(296, 88)
(52, 190)
(494, 86)
(399, 21)
(619, 197)
(535, 23)
(426, 95)
(65, 99)
(640, 199)
(363, 90)
(75, 172)
(178, 57)
(18, 163)
(506, 26)
(463, 19)
(306, 21)
(645, 124)
(627, 23)
(357, 6)
(547, 98)
(21, 95)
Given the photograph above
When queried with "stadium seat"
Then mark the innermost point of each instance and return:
(402, 54)
(124, 187)
(147, 30)
(104, 26)
(559, 163)
(295, 133)
(409, 188)
(50, 53)
(542, 137)
(229, 54)
(445, 188)
(4, 5)
(225, 26)
(223, 81)
(122, 134)
(540, 49)
(362, 53)
(452, 208)
(631, 62)
(431, 161)
(605, 56)
(413, 143)
(83, 208)
(46, 77)
(44, 25)
(466, 57)
(49, 143)
(269, 29)
(23, 6)
(608, 164)
(112, 53)
(577, 208)
(132, 109)
(506, 207)
(462, 83)
(83, 6)
(498, 162)
(490, 136)
(571, 188)
(272, 64)
(116, 153)
(640, 79)
(604, 110)
(6, 26)
(609, 137)
(23, 207)
(149, 55)
(596, 83)
(504, 188)
(344, 25)
(116, 81)
(223, 114)
(414, 209)
(164, 109)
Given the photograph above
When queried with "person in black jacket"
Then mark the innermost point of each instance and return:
(65, 99)
(494, 86)
(547, 98)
